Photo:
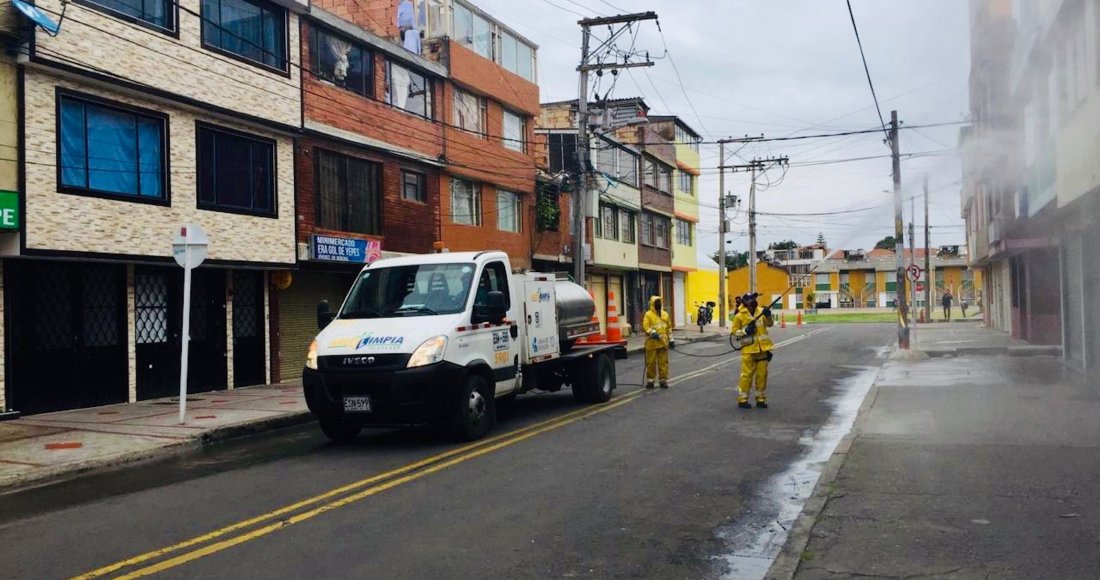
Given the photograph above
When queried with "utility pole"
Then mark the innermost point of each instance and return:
(582, 180)
(899, 236)
(753, 167)
(927, 256)
(722, 235)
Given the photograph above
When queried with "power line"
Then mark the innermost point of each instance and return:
(866, 69)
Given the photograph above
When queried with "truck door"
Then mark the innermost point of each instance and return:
(495, 340)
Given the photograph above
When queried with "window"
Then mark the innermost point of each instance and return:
(494, 278)
(660, 231)
(647, 229)
(563, 152)
(509, 211)
(251, 30)
(683, 232)
(236, 172)
(515, 131)
(473, 31)
(687, 182)
(414, 186)
(617, 162)
(686, 138)
(626, 226)
(608, 224)
(664, 179)
(349, 196)
(469, 112)
(112, 151)
(159, 13)
(465, 202)
(516, 56)
(342, 62)
(650, 173)
(408, 90)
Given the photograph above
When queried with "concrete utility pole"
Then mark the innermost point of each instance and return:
(927, 256)
(721, 234)
(754, 166)
(899, 237)
(582, 180)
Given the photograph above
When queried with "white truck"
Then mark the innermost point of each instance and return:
(444, 337)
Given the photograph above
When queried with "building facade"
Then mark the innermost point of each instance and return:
(133, 123)
(685, 206)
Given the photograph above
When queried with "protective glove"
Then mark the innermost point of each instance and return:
(655, 335)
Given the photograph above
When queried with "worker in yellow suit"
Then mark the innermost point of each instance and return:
(750, 327)
(658, 330)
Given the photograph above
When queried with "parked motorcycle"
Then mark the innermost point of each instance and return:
(705, 314)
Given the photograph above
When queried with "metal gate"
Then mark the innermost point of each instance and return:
(158, 296)
(67, 335)
(248, 328)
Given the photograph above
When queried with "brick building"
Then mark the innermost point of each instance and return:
(133, 122)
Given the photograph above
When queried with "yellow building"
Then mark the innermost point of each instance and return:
(771, 283)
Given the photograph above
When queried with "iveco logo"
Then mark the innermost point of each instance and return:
(350, 361)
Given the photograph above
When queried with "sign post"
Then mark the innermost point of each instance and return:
(190, 249)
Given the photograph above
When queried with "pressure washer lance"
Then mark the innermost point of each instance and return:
(750, 329)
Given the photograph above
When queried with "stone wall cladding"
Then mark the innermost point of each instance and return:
(75, 223)
(407, 226)
(3, 348)
(182, 66)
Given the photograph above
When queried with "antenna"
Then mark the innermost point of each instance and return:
(40, 18)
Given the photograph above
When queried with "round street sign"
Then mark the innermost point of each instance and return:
(191, 246)
(914, 271)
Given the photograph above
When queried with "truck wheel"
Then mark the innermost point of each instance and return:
(597, 381)
(476, 410)
(339, 430)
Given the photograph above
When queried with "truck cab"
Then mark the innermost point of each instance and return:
(439, 338)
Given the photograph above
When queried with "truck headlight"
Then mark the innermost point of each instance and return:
(311, 357)
(429, 352)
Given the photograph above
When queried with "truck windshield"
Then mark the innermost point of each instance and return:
(419, 290)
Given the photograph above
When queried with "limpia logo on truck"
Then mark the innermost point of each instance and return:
(380, 342)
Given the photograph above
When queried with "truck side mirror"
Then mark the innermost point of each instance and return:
(325, 315)
(493, 310)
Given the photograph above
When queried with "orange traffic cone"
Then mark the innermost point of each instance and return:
(782, 321)
(614, 331)
(799, 318)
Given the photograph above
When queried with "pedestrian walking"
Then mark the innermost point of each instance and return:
(657, 328)
(962, 304)
(946, 301)
(750, 327)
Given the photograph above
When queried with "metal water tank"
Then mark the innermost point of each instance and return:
(575, 308)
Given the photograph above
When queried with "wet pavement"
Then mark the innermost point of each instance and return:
(656, 484)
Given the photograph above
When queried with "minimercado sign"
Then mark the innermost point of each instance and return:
(9, 210)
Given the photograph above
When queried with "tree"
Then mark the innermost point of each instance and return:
(887, 243)
(821, 238)
(734, 260)
(784, 245)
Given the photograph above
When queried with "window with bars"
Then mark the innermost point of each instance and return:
(465, 202)
(349, 193)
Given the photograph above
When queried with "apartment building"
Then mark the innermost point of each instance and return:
(685, 205)
(134, 122)
(11, 37)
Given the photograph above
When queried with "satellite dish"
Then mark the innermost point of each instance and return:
(37, 16)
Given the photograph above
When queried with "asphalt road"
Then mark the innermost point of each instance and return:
(653, 484)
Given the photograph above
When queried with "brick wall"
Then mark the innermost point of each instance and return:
(407, 226)
(557, 116)
(181, 65)
(657, 201)
(377, 16)
(371, 117)
(653, 256)
(470, 69)
(123, 227)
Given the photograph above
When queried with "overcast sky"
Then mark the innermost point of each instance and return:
(783, 67)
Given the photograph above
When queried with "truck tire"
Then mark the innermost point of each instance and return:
(339, 430)
(475, 411)
(597, 380)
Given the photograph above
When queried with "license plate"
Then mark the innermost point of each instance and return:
(357, 404)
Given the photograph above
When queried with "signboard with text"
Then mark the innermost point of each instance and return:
(9, 210)
(337, 249)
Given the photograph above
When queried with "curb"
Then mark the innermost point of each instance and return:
(789, 559)
(70, 471)
(1014, 351)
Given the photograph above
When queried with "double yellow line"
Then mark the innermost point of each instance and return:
(338, 497)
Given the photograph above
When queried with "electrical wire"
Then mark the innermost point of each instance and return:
(866, 69)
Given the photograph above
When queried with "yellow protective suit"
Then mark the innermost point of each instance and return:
(656, 349)
(754, 354)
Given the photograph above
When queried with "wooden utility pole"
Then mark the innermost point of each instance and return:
(582, 179)
(900, 301)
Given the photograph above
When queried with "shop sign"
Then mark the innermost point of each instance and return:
(336, 249)
(9, 210)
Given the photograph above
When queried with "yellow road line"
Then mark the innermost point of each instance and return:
(270, 528)
(105, 570)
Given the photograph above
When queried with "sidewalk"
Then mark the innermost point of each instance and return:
(970, 338)
(52, 446)
(958, 468)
